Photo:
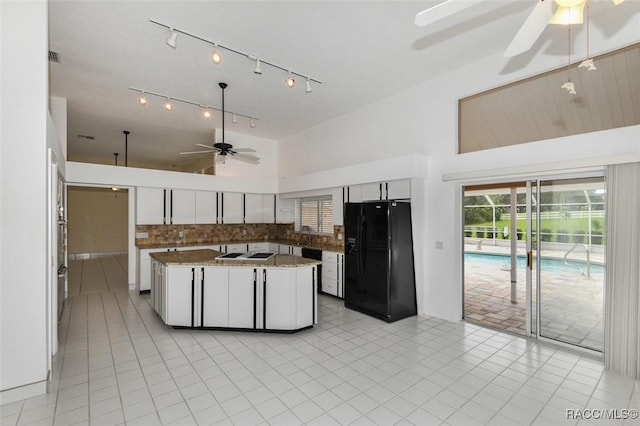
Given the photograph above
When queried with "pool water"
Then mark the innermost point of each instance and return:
(548, 265)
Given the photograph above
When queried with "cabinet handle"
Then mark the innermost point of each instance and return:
(171, 206)
(380, 187)
(386, 189)
(313, 295)
(264, 299)
(202, 298)
(193, 285)
(255, 295)
(164, 206)
(244, 208)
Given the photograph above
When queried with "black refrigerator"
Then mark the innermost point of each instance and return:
(379, 272)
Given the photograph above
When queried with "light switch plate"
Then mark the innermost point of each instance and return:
(141, 235)
(439, 245)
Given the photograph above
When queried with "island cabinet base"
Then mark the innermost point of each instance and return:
(267, 299)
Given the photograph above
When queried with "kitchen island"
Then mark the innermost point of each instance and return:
(194, 289)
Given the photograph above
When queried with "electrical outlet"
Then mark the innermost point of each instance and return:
(339, 237)
(181, 234)
(142, 235)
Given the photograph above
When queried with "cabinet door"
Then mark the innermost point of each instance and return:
(231, 207)
(180, 293)
(259, 247)
(150, 206)
(268, 208)
(285, 210)
(337, 200)
(236, 248)
(242, 306)
(273, 247)
(252, 208)
(340, 283)
(284, 249)
(354, 194)
(214, 293)
(183, 207)
(206, 202)
(145, 274)
(278, 298)
(296, 251)
(372, 192)
(305, 291)
(398, 189)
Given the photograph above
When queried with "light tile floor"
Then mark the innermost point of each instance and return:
(119, 364)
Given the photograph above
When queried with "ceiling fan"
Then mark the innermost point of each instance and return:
(545, 12)
(223, 150)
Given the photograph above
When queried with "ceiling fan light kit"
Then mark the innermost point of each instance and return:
(216, 55)
(561, 12)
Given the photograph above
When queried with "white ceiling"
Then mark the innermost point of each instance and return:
(361, 51)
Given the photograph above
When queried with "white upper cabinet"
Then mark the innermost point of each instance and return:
(253, 208)
(285, 210)
(206, 205)
(372, 191)
(398, 189)
(182, 206)
(337, 201)
(150, 206)
(230, 207)
(353, 194)
(164, 206)
(268, 208)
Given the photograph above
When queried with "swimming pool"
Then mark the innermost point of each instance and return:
(548, 265)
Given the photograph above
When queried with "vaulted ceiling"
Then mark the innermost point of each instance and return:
(362, 51)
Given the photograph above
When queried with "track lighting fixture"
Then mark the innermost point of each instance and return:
(205, 110)
(173, 38)
(307, 86)
(142, 100)
(216, 56)
(252, 123)
(291, 82)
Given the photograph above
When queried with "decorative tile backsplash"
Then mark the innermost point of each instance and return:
(176, 235)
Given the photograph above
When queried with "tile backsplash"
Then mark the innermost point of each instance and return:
(176, 235)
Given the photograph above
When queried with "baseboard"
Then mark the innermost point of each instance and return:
(23, 392)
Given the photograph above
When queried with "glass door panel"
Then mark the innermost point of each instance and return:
(571, 221)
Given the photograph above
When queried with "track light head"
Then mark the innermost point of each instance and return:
(307, 86)
(234, 120)
(205, 111)
(216, 56)
(291, 82)
(168, 105)
(173, 38)
(142, 100)
(252, 123)
(257, 70)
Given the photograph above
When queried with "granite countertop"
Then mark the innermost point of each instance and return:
(208, 258)
(324, 247)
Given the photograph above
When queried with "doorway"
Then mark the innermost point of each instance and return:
(534, 258)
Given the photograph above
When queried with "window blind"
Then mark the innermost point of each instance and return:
(314, 215)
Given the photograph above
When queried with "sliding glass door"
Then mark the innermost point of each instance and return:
(534, 258)
(571, 221)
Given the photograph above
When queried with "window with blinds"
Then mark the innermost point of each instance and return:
(314, 215)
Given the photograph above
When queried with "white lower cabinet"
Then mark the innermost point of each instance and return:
(333, 273)
(259, 246)
(273, 298)
(292, 250)
(180, 289)
(241, 297)
(214, 294)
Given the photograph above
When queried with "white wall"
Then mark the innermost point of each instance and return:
(23, 195)
(423, 120)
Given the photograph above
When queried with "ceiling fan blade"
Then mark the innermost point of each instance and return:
(244, 150)
(198, 152)
(251, 159)
(533, 26)
(443, 10)
(206, 146)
